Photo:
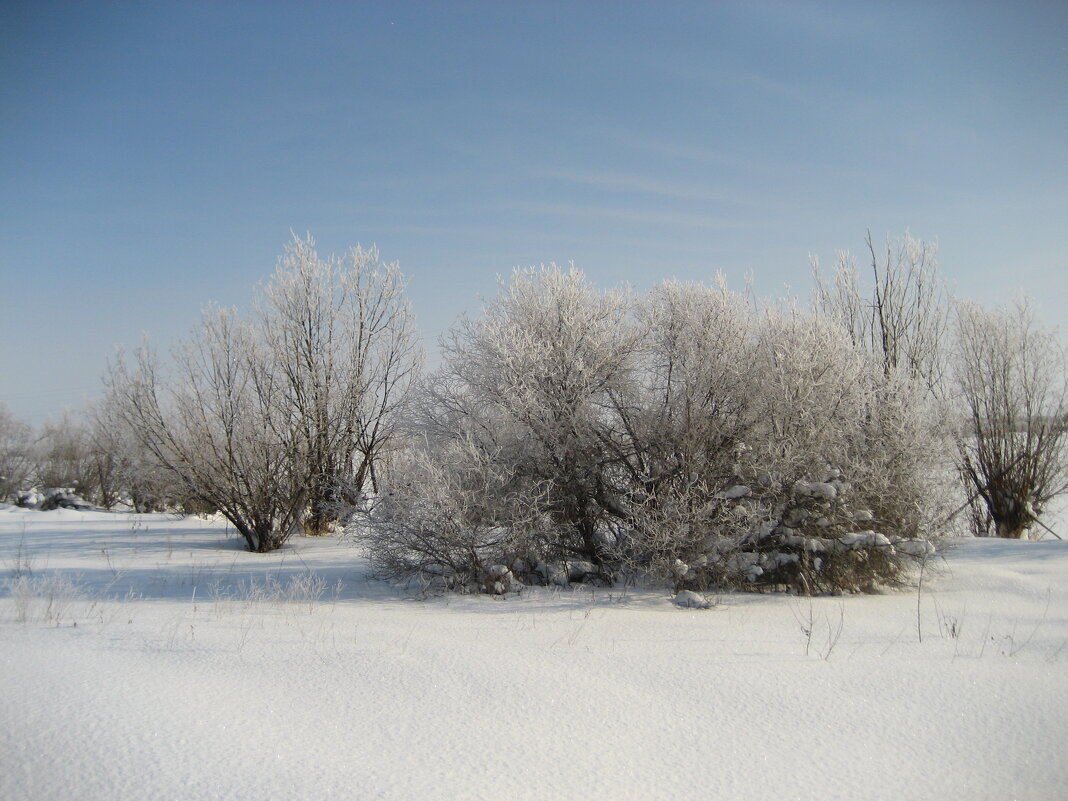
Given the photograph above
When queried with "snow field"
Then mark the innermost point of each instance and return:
(197, 670)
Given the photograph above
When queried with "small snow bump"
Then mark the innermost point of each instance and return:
(688, 599)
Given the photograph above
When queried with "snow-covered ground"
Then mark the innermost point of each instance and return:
(146, 657)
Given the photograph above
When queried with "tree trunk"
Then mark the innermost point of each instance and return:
(1010, 529)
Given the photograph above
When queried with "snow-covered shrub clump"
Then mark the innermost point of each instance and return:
(52, 498)
(817, 544)
(573, 435)
(758, 505)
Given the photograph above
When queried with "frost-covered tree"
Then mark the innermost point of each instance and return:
(681, 421)
(532, 378)
(264, 419)
(16, 454)
(340, 337)
(1012, 376)
(217, 423)
(67, 456)
(900, 314)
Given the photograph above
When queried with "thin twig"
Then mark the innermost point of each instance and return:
(1051, 531)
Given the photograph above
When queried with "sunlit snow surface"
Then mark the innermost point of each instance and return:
(146, 657)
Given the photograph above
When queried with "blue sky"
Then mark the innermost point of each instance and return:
(155, 156)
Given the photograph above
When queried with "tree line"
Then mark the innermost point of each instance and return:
(691, 432)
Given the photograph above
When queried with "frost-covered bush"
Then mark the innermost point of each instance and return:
(531, 381)
(814, 538)
(680, 426)
(685, 435)
(766, 503)
(451, 517)
(830, 403)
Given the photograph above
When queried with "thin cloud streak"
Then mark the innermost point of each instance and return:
(629, 215)
(650, 186)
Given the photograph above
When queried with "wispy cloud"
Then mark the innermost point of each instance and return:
(752, 82)
(630, 215)
(678, 150)
(642, 185)
(688, 192)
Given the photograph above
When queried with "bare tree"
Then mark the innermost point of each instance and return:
(127, 471)
(219, 426)
(66, 457)
(16, 454)
(1012, 378)
(263, 420)
(340, 336)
